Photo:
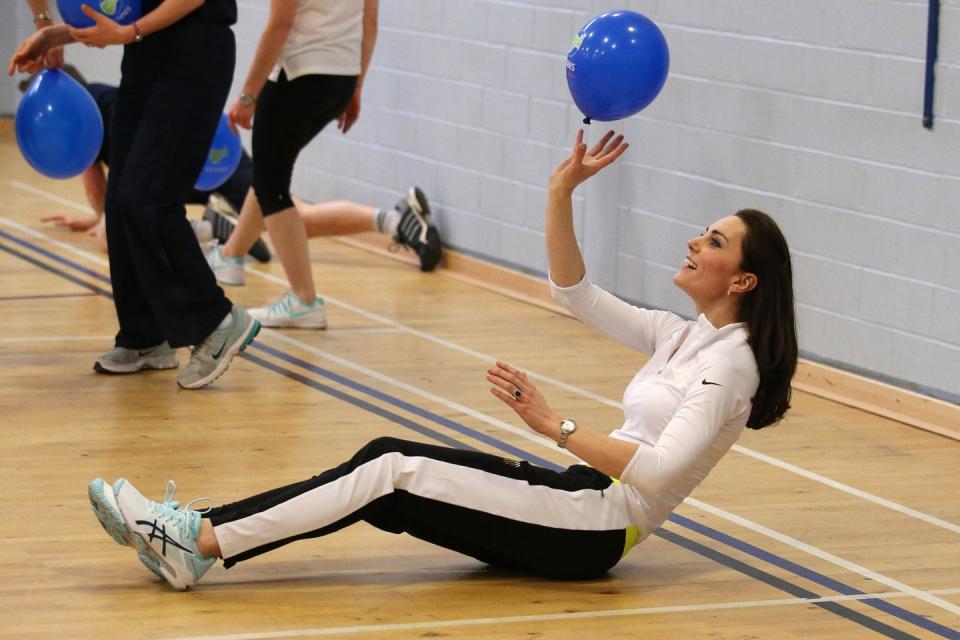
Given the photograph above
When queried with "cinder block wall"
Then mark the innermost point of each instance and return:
(809, 110)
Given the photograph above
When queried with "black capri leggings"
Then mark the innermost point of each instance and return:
(290, 113)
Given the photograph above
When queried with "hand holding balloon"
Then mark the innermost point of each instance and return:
(58, 125)
(79, 13)
(103, 32)
(29, 56)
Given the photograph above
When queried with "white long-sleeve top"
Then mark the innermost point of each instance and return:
(684, 409)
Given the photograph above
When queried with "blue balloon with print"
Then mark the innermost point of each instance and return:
(120, 11)
(58, 125)
(617, 65)
(222, 159)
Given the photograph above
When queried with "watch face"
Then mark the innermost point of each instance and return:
(567, 427)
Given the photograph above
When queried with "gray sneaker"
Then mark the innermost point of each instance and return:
(211, 357)
(123, 360)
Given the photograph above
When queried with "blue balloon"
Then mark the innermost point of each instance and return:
(223, 158)
(617, 65)
(120, 11)
(58, 125)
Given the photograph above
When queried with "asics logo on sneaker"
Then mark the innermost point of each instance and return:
(162, 535)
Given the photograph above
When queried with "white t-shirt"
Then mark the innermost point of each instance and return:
(325, 38)
(684, 410)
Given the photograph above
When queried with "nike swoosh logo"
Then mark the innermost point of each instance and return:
(716, 384)
(220, 350)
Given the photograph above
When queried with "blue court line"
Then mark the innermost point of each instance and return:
(51, 269)
(64, 261)
(406, 406)
(47, 296)
(745, 547)
(357, 402)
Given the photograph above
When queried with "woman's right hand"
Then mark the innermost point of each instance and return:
(71, 222)
(581, 164)
(29, 57)
(240, 115)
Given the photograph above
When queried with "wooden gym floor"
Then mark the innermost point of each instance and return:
(835, 524)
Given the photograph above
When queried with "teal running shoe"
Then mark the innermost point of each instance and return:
(163, 535)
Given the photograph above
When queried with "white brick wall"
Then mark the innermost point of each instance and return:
(809, 110)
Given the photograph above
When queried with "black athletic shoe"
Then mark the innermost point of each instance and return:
(416, 231)
(221, 214)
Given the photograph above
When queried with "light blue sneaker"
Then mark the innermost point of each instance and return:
(164, 536)
(226, 270)
(104, 504)
(293, 313)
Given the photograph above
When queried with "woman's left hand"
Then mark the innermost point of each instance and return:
(104, 32)
(516, 391)
(54, 58)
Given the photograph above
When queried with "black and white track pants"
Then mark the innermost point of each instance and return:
(572, 524)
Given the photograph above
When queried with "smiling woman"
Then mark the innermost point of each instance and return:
(723, 274)
(683, 411)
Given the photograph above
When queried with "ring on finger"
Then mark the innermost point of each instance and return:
(517, 394)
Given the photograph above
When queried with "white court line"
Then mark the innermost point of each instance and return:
(548, 617)
(96, 259)
(696, 503)
(55, 338)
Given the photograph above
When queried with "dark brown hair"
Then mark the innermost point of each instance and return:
(768, 311)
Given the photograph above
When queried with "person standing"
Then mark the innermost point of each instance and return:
(308, 70)
(176, 71)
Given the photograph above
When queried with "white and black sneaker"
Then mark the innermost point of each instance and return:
(223, 218)
(416, 230)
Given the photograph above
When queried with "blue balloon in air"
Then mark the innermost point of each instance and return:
(617, 65)
(120, 11)
(222, 159)
(58, 125)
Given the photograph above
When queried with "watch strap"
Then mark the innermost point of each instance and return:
(566, 433)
